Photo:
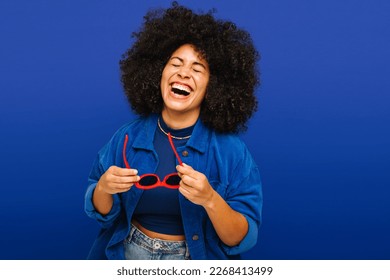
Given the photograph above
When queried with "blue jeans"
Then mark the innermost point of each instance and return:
(139, 246)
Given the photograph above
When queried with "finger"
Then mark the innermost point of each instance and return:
(121, 190)
(118, 171)
(184, 190)
(119, 187)
(124, 179)
(112, 178)
(186, 170)
(184, 185)
(184, 167)
(189, 181)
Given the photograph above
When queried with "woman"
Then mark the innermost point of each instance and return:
(177, 183)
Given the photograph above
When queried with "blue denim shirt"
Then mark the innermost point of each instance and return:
(223, 158)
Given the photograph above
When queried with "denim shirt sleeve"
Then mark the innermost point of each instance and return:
(245, 196)
(97, 171)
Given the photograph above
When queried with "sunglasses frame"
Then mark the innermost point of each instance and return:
(158, 183)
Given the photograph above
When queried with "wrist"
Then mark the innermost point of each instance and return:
(211, 201)
(101, 191)
(98, 188)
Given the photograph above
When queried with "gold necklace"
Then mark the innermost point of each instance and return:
(174, 137)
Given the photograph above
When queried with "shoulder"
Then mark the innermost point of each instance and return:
(231, 144)
(132, 125)
(135, 129)
(232, 150)
(228, 141)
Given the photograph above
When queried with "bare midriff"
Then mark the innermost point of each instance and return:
(153, 234)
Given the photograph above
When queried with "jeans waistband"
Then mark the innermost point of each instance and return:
(156, 245)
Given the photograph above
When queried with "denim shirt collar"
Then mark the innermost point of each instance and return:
(198, 141)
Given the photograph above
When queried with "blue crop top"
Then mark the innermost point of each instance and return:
(158, 209)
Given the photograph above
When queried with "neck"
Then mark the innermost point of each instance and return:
(179, 120)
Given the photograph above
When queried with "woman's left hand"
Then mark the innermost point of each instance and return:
(230, 225)
(194, 185)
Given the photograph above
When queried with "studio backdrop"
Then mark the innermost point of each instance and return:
(320, 137)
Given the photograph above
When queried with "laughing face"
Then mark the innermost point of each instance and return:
(183, 84)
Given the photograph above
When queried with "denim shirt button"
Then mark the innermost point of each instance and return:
(195, 237)
(184, 153)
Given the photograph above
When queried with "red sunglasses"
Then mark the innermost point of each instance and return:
(151, 181)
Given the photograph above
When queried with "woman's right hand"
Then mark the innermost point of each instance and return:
(117, 180)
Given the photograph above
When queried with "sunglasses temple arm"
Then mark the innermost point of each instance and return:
(174, 149)
(124, 152)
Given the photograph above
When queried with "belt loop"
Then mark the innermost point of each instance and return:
(132, 230)
(187, 255)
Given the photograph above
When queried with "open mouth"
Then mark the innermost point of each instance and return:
(181, 89)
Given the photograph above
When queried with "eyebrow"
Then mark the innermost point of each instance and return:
(194, 63)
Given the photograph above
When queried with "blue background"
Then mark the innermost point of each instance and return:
(321, 136)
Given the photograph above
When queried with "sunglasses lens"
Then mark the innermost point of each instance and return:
(148, 181)
(173, 180)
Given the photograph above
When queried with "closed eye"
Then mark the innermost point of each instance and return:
(198, 67)
(176, 62)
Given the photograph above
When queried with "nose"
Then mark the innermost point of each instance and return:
(184, 72)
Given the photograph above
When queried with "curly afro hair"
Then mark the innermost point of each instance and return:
(230, 99)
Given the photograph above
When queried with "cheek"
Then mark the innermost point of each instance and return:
(166, 74)
(164, 80)
(203, 83)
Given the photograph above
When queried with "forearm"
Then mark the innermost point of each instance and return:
(102, 201)
(230, 225)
